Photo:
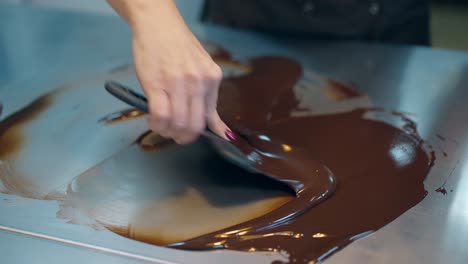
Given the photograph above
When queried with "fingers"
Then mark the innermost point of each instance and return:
(179, 113)
(217, 125)
(197, 120)
(195, 106)
(160, 111)
(179, 121)
(214, 121)
(182, 103)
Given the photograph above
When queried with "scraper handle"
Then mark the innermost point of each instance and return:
(138, 101)
(127, 95)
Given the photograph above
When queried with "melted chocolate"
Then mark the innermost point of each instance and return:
(341, 91)
(441, 190)
(311, 181)
(380, 168)
(11, 138)
(440, 137)
(150, 141)
(121, 116)
(216, 51)
(160, 209)
(441, 150)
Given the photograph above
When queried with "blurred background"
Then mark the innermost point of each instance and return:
(449, 19)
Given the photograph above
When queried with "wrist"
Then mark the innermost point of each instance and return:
(152, 15)
(139, 13)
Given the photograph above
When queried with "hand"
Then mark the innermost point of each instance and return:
(177, 75)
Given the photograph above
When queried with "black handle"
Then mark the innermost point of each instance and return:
(127, 95)
(138, 101)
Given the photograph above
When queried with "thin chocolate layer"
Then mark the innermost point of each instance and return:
(121, 116)
(11, 137)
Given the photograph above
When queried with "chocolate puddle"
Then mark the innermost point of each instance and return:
(380, 168)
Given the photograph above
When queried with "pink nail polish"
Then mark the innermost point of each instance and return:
(230, 135)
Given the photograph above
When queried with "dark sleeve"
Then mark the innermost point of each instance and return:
(397, 21)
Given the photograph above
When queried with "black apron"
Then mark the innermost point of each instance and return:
(391, 21)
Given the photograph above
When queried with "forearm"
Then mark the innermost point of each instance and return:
(144, 14)
(178, 76)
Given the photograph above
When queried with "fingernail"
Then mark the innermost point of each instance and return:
(230, 135)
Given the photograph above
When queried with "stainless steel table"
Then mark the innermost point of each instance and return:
(41, 49)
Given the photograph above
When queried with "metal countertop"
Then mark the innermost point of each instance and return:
(41, 49)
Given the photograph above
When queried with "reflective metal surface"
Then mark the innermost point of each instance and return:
(42, 49)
